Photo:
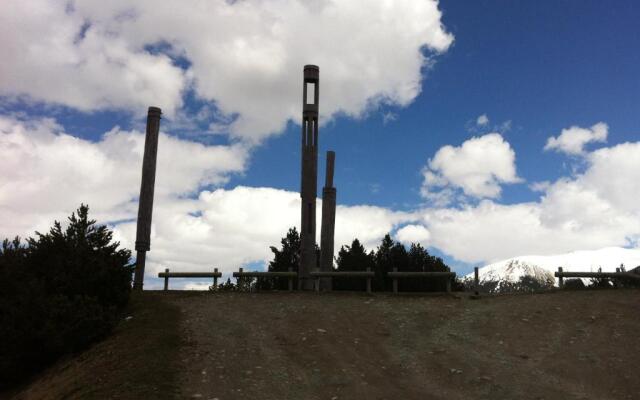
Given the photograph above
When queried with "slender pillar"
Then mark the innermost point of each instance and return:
(309, 176)
(145, 205)
(327, 229)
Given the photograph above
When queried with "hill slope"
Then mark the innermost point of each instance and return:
(559, 345)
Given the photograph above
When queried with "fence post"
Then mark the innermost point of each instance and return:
(239, 280)
(395, 281)
(166, 279)
(215, 278)
(615, 280)
(368, 281)
(448, 284)
(476, 280)
(290, 280)
(560, 278)
(316, 284)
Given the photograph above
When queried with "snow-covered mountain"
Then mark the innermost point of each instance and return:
(543, 267)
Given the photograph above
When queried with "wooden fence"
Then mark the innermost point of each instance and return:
(166, 275)
(611, 275)
(317, 275)
(368, 275)
(263, 274)
(395, 275)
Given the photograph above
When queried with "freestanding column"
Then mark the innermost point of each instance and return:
(328, 222)
(309, 176)
(145, 205)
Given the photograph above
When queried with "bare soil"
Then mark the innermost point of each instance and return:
(555, 345)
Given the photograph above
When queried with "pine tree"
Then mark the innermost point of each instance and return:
(60, 293)
(383, 264)
(287, 257)
(353, 258)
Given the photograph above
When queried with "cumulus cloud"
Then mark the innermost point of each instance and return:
(572, 140)
(53, 54)
(478, 167)
(48, 172)
(413, 234)
(246, 56)
(590, 210)
(231, 228)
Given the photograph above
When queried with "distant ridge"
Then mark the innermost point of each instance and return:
(542, 267)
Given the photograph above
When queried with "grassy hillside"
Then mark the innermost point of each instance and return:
(558, 345)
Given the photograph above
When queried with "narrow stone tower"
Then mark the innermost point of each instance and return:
(309, 175)
(327, 229)
(145, 204)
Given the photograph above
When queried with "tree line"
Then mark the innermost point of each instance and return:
(388, 255)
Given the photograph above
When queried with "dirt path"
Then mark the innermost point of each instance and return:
(559, 345)
(570, 345)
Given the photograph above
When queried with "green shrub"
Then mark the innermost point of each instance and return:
(59, 293)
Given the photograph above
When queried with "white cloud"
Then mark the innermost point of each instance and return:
(482, 120)
(45, 59)
(47, 173)
(478, 167)
(591, 210)
(413, 234)
(572, 140)
(246, 56)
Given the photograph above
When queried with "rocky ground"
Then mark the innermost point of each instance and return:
(556, 345)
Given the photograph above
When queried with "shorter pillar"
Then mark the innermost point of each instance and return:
(368, 281)
(560, 278)
(395, 281)
(215, 278)
(166, 279)
(476, 280)
(290, 280)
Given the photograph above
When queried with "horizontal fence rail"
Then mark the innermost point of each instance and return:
(434, 274)
(560, 274)
(343, 274)
(316, 275)
(264, 274)
(368, 275)
(416, 274)
(167, 274)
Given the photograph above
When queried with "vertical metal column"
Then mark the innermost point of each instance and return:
(145, 205)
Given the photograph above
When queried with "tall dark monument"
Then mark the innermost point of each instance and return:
(309, 178)
(145, 205)
(328, 222)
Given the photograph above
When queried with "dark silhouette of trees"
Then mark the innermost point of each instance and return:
(388, 255)
(288, 256)
(59, 293)
(383, 264)
(353, 258)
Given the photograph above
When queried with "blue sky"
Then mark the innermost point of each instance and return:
(533, 69)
